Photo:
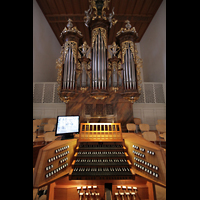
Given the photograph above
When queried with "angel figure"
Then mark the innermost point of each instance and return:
(114, 48)
(112, 20)
(84, 48)
(88, 15)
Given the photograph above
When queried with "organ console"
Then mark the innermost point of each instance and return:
(101, 159)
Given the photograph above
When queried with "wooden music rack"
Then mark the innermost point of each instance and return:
(101, 132)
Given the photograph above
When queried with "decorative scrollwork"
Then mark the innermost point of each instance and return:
(73, 45)
(95, 32)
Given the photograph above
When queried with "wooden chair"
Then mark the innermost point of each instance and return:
(150, 136)
(52, 121)
(131, 127)
(48, 127)
(49, 136)
(164, 135)
(161, 128)
(137, 121)
(34, 128)
(37, 122)
(144, 127)
(34, 136)
(161, 121)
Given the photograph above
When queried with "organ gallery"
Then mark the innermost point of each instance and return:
(99, 83)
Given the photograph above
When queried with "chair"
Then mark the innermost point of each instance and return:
(150, 136)
(52, 121)
(49, 136)
(144, 127)
(161, 121)
(34, 136)
(131, 127)
(164, 135)
(48, 127)
(37, 122)
(137, 121)
(161, 128)
(34, 128)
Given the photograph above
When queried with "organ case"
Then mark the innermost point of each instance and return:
(99, 70)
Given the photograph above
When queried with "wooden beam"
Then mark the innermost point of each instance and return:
(60, 18)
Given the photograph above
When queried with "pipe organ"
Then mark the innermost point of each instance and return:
(99, 70)
(96, 82)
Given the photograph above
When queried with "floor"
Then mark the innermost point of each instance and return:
(160, 191)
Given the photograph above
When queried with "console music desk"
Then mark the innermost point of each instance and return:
(102, 157)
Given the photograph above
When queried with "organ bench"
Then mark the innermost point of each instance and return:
(103, 163)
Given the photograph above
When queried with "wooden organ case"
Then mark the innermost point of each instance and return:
(103, 163)
(99, 75)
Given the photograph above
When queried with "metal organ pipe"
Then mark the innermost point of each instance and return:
(74, 66)
(129, 70)
(99, 59)
(99, 62)
(93, 63)
(65, 72)
(105, 67)
(95, 66)
(71, 75)
(68, 66)
(101, 69)
(129, 67)
(126, 65)
(124, 71)
(133, 71)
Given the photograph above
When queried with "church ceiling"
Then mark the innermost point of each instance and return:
(138, 12)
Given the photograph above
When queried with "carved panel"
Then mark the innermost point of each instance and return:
(89, 109)
(99, 109)
(109, 109)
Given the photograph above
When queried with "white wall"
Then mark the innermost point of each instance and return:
(46, 48)
(149, 113)
(153, 47)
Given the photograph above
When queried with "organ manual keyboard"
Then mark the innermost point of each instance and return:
(103, 163)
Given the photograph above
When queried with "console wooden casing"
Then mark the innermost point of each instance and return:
(101, 135)
(48, 152)
(158, 159)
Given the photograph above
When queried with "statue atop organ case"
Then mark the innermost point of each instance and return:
(99, 70)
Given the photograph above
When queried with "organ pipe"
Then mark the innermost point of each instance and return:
(99, 60)
(129, 67)
(104, 72)
(101, 68)
(95, 66)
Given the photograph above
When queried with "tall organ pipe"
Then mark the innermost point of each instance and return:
(93, 63)
(74, 66)
(99, 60)
(71, 75)
(104, 67)
(133, 71)
(65, 71)
(129, 67)
(101, 74)
(68, 66)
(96, 61)
(126, 69)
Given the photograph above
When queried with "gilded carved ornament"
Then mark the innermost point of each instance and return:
(95, 32)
